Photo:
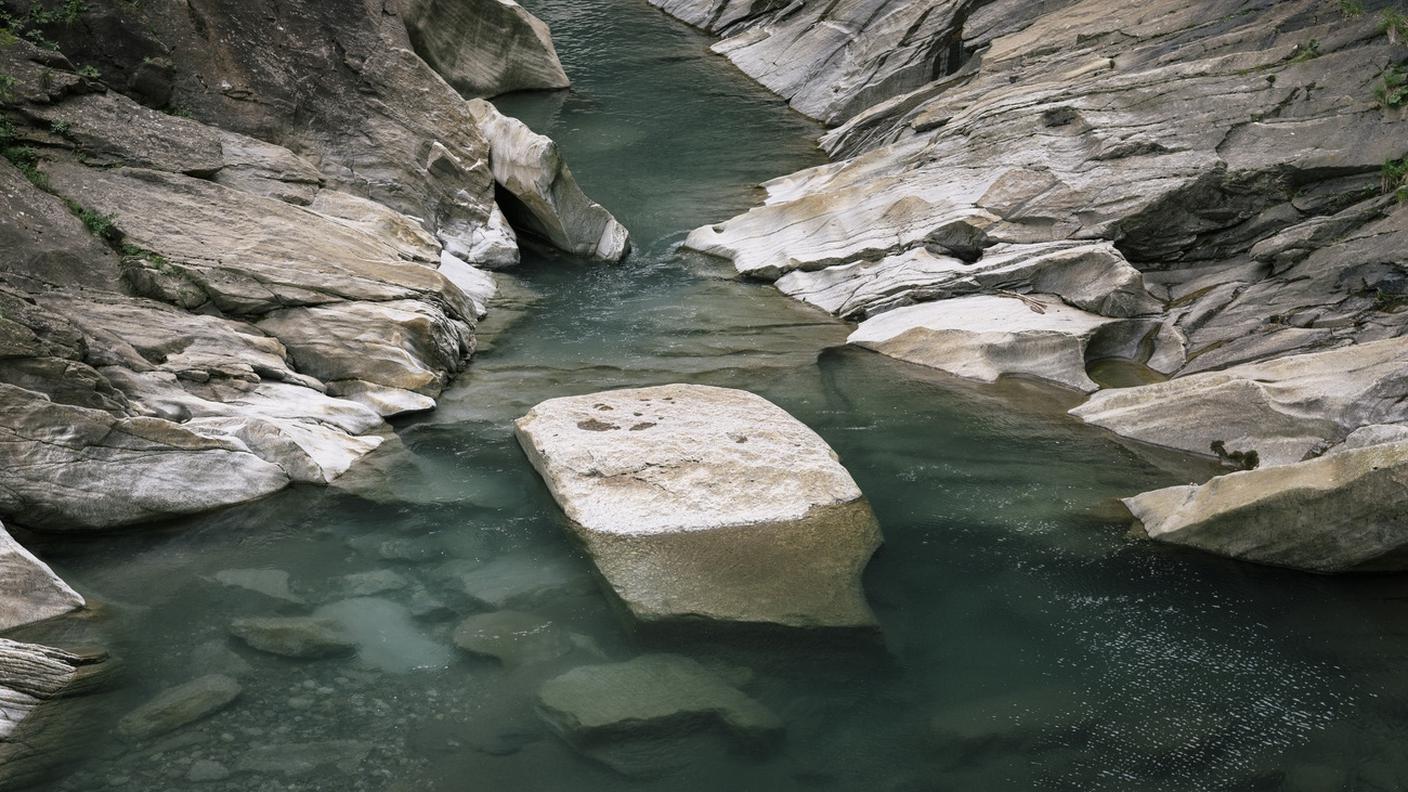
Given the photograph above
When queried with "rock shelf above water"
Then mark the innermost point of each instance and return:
(703, 503)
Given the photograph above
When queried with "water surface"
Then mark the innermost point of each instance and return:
(1009, 590)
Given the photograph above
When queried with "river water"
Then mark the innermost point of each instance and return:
(1030, 643)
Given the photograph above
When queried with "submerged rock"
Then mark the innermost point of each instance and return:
(29, 590)
(269, 582)
(602, 709)
(45, 719)
(180, 706)
(707, 503)
(1343, 512)
(385, 635)
(513, 637)
(548, 202)
(295, 636)
(484, 47)
(343, 757)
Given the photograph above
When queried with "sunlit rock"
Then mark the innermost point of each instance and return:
(707, 503)
(1343, 512)
(986, 337)
(548, 203)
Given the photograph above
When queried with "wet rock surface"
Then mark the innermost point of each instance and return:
(180, 706)
(707, 503)
(1211, 172)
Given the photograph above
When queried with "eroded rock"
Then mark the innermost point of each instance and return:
(485, 47)
(29, 590)
(180, 706)
(1344, 512)
(707, 503)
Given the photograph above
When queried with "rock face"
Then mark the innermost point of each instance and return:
(201, 306)
(601, 709)
(1284, 409)
(1204, 180)
(1344, 512)
(29, 591)
(707, 503)
(484, 47)
(547, 201)
(44, 717)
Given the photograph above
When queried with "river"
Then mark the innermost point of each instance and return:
(1009, 589)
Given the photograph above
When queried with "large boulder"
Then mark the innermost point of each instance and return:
(985, 337)
(1340, 513)
(707, 503)
(29, 590)
(484, 47)
(1284, 409)
(547, 202)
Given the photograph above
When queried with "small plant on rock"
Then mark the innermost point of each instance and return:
(1241, 460)
(1308, 50)
(1394, 24)
(1392, 90)
(1395, 178)
(1351, 8)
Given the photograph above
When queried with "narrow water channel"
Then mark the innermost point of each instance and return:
(1008, 589)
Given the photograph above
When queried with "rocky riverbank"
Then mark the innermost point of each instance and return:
(234, 244)
(1207, 192)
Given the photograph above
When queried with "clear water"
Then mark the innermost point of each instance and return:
(1008, 588)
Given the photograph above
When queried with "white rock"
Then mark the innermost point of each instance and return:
(476, 284)
(484, 47)
(1343, 512)
(1283, 409)
(708, 503)
(985, 337)
(529, 166)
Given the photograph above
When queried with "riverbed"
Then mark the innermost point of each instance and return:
(1009, 589)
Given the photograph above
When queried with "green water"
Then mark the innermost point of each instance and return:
(1006, 576)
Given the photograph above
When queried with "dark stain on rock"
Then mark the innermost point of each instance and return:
(593, 425)
(642, 426)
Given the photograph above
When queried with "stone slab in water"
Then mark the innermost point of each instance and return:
(295, 636)
(1342, 512)
(29, 591)
(707, 503)
(180, 706)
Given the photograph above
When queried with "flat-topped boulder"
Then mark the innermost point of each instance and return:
(986, 337)
(1339, 513)
(703, 503)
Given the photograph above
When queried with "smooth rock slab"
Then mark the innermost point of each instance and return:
(707, 503)
(180, 706)
(1343, 512)
(296, 636)
(986, 337)
(301, 759)
(602, 709)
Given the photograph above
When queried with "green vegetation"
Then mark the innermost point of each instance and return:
(1395, 24)
(31, 25)
(1392, 90)
(1307, 51)
(91, 72)
(102, 226)
(1351, 8)
(26, 161)
(1395, 176)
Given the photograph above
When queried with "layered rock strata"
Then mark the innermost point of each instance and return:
(707, 504)
(215, 290)
(1214, 178)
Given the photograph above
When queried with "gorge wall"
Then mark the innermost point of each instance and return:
(244, 236)
(1207, 193)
